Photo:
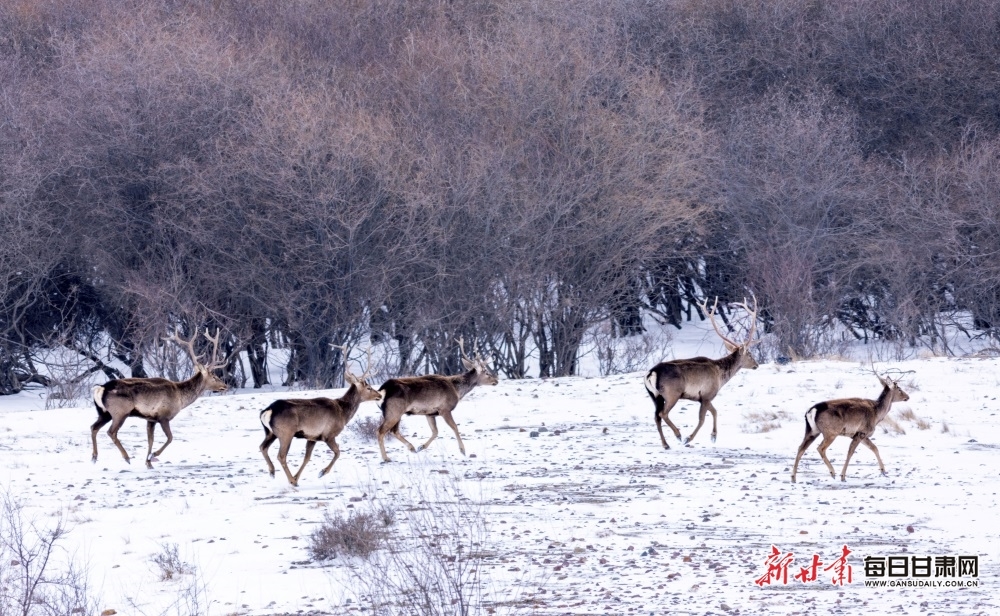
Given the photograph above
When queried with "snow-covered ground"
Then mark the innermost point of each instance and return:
(592, 516)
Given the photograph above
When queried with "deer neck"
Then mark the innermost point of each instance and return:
(351, 401)
(883, 403)
(729, 365)
(193, 387)
(465, 383)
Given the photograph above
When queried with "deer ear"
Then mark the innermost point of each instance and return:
(729, 346)
(350, 378)
(469, 364)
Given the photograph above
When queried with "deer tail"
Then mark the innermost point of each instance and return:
(99, 398)
(265, 420)
(651, 383)
(811, 427)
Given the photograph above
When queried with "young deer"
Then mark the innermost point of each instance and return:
(314, 419)
(698, 379)
(155, 400)
(429, 395)
(854, 417)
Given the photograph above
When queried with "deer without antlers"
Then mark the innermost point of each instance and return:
(854, 417)
(431, 395)
(698, 379)
(156, 400)
(314, 419)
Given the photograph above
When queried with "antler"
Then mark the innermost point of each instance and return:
(368, 367)
(214, 364)
(186, 345)
(711, 317)
(752, 315)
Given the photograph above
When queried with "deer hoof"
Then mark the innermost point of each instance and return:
(321, 473)
(272, 474)
(686, 441)
(713, 438)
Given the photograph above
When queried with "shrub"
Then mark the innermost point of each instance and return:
(358, 534)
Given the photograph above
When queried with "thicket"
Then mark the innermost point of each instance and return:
(308, 174)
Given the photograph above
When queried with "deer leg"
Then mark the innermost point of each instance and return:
(283, 446)
(850, 452)
(165, 425)
(434, 432)
(715, 427)
(103, 417)
(113, 433)
(309, 453)
(264, 446)
(868, 443)
(827, 441)
(150, 426)
(666, 406)
(702, 410)
(448, 419)
(332, 444)
(806, 442)
(657, 409)
(402, 439)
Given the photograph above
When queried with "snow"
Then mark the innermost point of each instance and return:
(571, 514)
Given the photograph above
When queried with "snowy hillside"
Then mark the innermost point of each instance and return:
(591, 516)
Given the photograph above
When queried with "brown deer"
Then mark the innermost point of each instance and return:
(431, 395)
(314, 419)
(699, 379)
(155, 400)
(853, 417)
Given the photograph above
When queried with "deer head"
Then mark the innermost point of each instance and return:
(365, 390)
(483, 374)
(212, 382)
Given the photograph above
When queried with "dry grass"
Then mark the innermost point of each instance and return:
(366, 428)
(759, 422)
(891, 426)
(358, 534)
(906, 415)
(170, 564)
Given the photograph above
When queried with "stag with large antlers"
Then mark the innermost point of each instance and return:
(156, 400)
(432, 395)
(314, 419)
(699, 379)
(853, 417)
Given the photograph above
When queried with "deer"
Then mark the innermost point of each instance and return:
(699, 379)
(313, 419)
(853, 417)
(156, 400)
(431, 395)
